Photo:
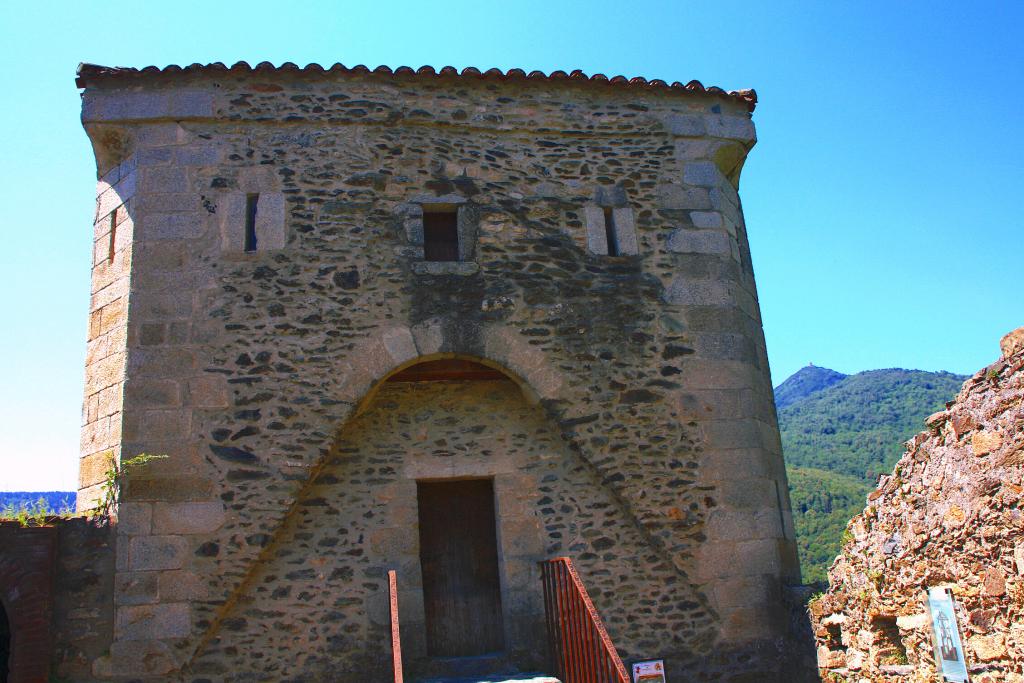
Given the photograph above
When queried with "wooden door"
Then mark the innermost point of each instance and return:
(459, 557)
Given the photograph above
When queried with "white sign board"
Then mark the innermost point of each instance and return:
(649, 672)
(949, 651)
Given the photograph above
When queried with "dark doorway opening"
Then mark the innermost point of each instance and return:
(459, 557)
(5, 644)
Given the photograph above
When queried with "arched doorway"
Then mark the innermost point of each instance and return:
(5, 644)
(435, 431)
(458, 541)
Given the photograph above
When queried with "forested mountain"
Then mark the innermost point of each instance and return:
(823, 502)
(839, 433)
(858, 425)
(803, 383)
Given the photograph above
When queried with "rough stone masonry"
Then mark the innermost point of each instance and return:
(950, 514)
(262, 270)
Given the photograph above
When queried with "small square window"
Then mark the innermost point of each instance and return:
(441, 235)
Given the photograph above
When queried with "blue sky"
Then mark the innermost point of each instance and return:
(882, 201)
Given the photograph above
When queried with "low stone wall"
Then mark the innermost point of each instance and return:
(26, 571)
(83, 603)
(949, 515)
(56, 586)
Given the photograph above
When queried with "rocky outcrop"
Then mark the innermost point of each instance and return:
(950, 514)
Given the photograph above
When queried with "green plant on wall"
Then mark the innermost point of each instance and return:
(113, 480)
(32, 514)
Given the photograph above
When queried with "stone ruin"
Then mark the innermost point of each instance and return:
(340, 299)
(950, 514)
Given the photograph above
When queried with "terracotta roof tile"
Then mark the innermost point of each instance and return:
(94, 72)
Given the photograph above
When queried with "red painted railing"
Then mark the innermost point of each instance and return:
(579, 644)
(396, 638)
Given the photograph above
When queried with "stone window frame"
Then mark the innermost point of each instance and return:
(270, 222)
(467, 225)
(624, 225)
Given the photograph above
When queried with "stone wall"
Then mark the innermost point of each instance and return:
(26, 575)
(106, 353)
(248, 368)
(56, 586)
(83, 598)
(359, 518)
(949, 515)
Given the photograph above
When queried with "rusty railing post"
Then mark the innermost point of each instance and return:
(577, 639)
(396, 637)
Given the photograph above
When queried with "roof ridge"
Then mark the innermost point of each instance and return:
(87, 72)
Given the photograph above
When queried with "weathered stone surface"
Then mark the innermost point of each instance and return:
(182, 586)
(704, 174)
(153, 622)
(684, 241)
(988, 648)
(134, 519)
(134, 658)
(913, 621)
(993, 582)
(156, 552)
(187, 518)
(597, 238)
(984, 442)
(1013, 343)
(135, 588)
(951, 504)
(444, 268)
(687, 292)
(83, 590)
(685, 125)
(732, 127)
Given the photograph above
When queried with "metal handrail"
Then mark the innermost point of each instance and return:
(396, 638)
(578, 641)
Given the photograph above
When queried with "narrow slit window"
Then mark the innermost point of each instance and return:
(251, 202)
(113, 236)
(609, 232)
(441, 235)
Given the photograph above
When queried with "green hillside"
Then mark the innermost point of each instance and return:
(838, 434)
(823, 502)
(858, 425)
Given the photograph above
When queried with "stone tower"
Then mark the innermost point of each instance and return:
(376, 317)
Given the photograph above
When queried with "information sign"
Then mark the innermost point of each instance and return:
(949, 651)
(649, 672)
